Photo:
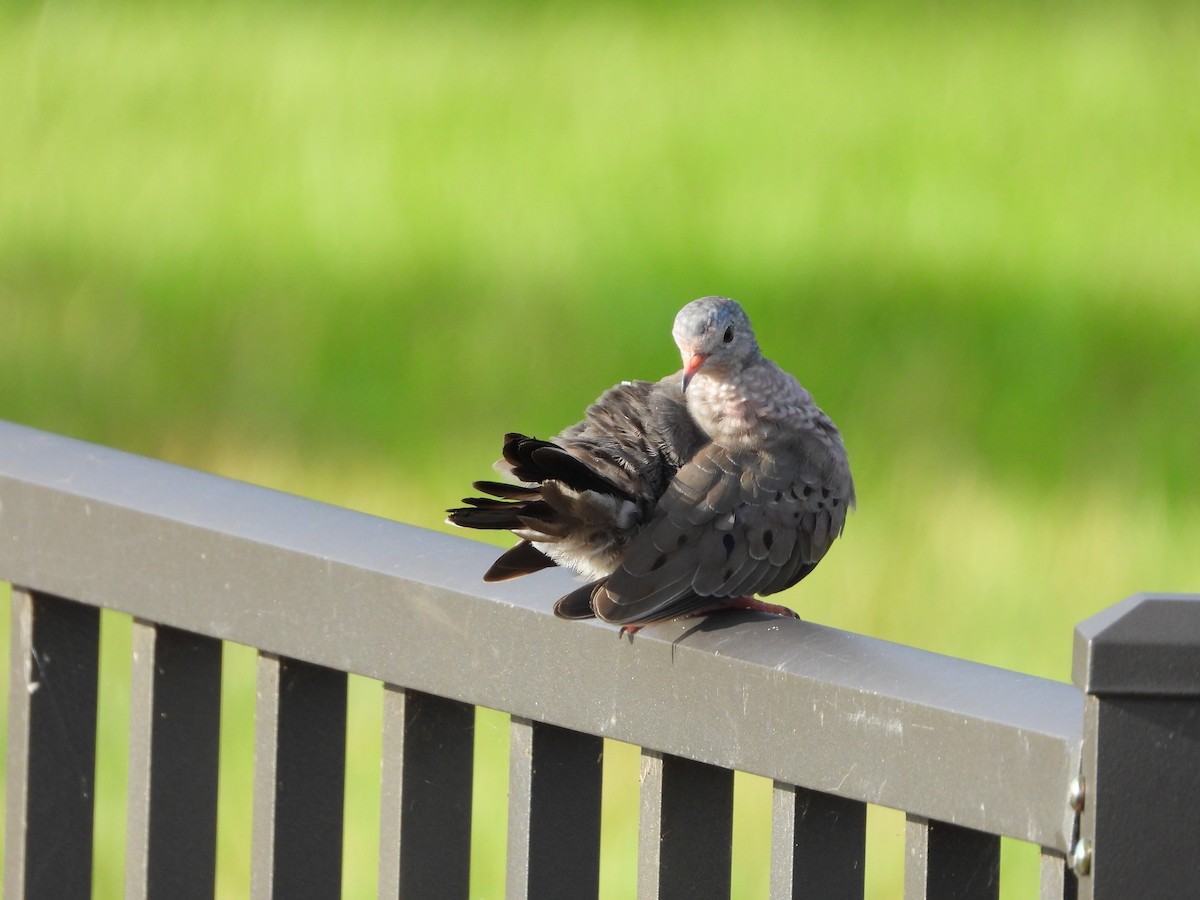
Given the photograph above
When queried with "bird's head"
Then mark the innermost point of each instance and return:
(714, 334)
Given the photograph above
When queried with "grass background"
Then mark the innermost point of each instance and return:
(339, 249)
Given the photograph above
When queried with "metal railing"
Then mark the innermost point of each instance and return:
(837, 720)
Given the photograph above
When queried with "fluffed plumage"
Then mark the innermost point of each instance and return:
(680, 496)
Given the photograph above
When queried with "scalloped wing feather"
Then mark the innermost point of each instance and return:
(758, 529)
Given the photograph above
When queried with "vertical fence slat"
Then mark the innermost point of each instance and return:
(1057, 880)
(428, 775)
(944, 861)
(553, 812)
(818, 845)
(686, 829)
(51, 746)
(299, 779)
(175, 719)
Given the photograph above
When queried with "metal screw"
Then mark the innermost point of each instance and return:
(1076, 793)
(1081, 857)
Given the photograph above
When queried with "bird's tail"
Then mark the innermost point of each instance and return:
(559, 491)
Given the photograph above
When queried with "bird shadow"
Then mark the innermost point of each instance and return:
(717, 621)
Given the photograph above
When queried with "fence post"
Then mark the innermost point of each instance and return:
(1139, 664)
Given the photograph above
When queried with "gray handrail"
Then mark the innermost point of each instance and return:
(853, 716)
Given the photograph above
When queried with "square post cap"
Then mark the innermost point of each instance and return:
(1148, 644)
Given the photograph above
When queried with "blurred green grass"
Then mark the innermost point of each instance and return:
(340, 248)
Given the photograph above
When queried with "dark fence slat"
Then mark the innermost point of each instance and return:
(175, 721)
(55, 655)
(428, 773)
(948, 862)
(299, 779)
(818, 845)
(686, 829)
(553, 812)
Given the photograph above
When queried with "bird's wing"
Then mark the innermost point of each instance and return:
(731, 524)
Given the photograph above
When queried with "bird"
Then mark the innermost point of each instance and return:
(678, 497)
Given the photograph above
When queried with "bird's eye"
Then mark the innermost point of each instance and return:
(728, 334)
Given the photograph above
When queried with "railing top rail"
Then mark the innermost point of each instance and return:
(844, 713)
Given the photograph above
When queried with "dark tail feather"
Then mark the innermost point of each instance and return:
(575, 473)
(518, 453)
(520, 560)
(508, 491)
(497, 515)
(522, 508)
(533, 460)
(578, 603)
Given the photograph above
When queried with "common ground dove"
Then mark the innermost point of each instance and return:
(681, 496)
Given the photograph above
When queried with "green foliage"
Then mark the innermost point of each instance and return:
(341, 248)
(291, 224)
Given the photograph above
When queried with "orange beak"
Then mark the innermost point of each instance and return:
(691, 365)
